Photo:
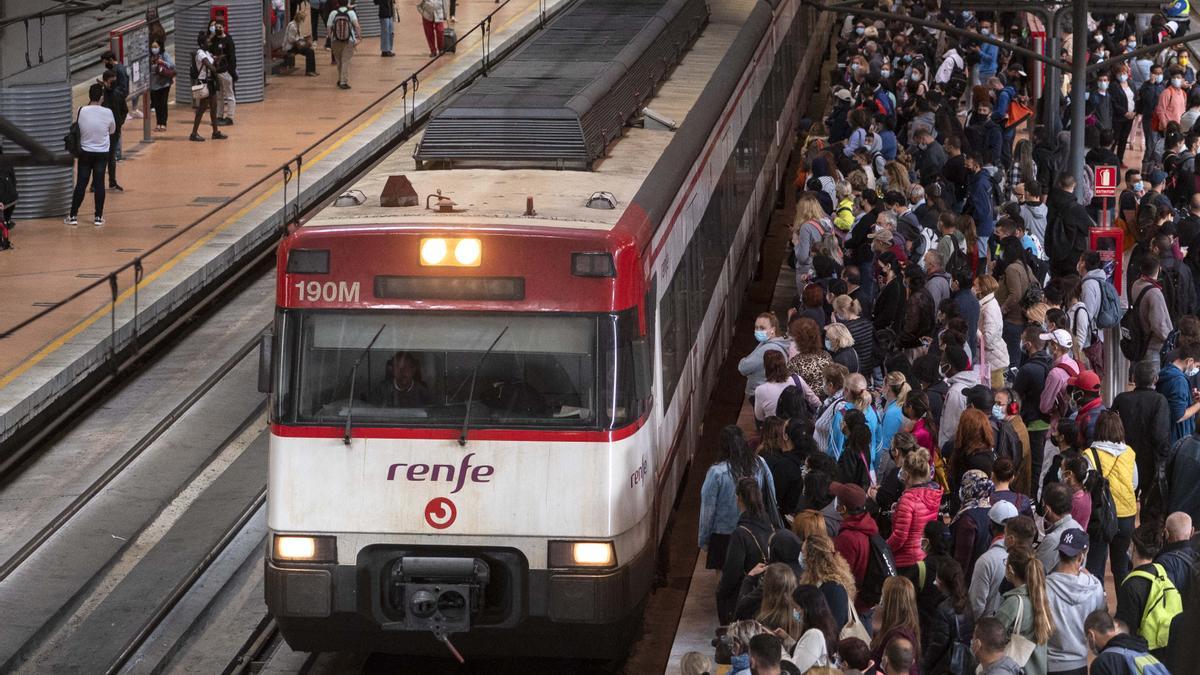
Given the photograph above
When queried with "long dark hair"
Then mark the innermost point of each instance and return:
(734, 450)
(858, 436)
(791, 404)
(917, 402)
(814, 613)
(950, 576)
(749, 493)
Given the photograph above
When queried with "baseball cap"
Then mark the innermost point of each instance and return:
(1073, 542)
(850, 495)
(1157, 177)
(843, 94)
(1001, 511)
(883, 234)
(1058, 336)
(1086, 380)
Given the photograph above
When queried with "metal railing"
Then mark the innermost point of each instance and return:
(289, 173)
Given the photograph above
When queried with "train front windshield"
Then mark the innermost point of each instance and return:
(427, 369)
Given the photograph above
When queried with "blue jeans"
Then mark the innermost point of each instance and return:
(385, 34)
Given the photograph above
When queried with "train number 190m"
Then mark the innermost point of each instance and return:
(329, 291)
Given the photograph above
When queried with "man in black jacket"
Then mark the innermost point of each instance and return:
(929, 157)
(1183, 477)
(1067, 224)
(1179, 557)
(1134, 592)
(1031, 379)
(1150, 435)
(1115, 649)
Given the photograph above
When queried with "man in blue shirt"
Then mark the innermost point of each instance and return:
(1183, 401)
(979, 198)
(989, 54)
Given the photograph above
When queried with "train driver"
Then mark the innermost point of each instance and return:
(403, 386)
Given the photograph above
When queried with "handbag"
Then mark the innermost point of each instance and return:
(73, 141)
(1019, 648)
(200, 91)
(1104, 511)
(166, 71)
(854, 627)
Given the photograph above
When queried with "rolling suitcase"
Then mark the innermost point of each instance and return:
(449, 40)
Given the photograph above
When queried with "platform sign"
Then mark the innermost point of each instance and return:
(131, 44)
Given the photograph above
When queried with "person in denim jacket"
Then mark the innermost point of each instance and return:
(718, 499)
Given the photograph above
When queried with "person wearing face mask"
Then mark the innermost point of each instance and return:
(1150, 306)
(766, 333)
(989, 54)
(1171, 103)
(889, 305)
(1147, 106)
(1054, 399)
(162, 74)
(1124, 104)
(225, 59)
(1150, 438)
(1181, 398)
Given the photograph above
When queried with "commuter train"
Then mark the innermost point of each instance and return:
(481, 414)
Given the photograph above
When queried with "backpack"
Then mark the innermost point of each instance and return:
(961, 658)
(1174, 293)
(73, 141)
(1061, 403)
(1008, 444)
(1104, 511)
(342, 27)
(1138, 663)
(1134, 341)
(880, 566)
(1162, 605)
(1110, 306)
(1038, 268)
(829, 244)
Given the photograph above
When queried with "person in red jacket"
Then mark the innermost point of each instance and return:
(917, 506)
(853, 540)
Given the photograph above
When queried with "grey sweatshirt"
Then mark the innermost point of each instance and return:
(984, 592)
(1071, 598)
(752, 365)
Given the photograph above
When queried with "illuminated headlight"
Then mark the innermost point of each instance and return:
(442, 252)
(305, 549)
(582, 554)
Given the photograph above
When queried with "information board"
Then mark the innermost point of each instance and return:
(131, 44)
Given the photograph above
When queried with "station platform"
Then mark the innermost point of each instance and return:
(229, 196)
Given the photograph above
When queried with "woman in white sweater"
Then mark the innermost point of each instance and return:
(991, 326)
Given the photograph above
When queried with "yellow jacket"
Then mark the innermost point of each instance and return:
(843, 215)
(1118, 466)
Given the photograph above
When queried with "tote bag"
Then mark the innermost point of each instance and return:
(1019, 648)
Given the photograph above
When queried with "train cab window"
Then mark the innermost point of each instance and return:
(426, 369)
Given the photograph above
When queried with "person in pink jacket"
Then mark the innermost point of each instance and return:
(1172, 103)
(917, 506)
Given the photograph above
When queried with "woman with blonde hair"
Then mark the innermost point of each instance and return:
(895, 393)
(855, 395)
(740, 634)
(695, 663)
(834, 376)
(1024, 610)
(918, 505)
(826, 569)
(839, 344)
(809, 226)
(991, 325)
(848, 312)
(778, 611)
(843, 213)
(966, 225)
(897, 177)
(809, 523)
(898, 618)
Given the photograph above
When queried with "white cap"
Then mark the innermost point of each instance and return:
(1059, 337)
(1001, 511)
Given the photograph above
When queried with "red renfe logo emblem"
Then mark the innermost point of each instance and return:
(440, 513)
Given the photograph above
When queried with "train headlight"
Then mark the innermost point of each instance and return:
(451, 252)
(305, 549)
(582, 554)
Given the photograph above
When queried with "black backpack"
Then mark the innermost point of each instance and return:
(1134, 340)
(1008, 444)
(1175, 293)
(880, 565)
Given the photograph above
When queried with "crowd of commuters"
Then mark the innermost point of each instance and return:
(936, 483)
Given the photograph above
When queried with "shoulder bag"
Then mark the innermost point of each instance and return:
(1104, 510)
(1019, 648)
(854, 627)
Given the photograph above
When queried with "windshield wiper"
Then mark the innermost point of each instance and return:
(353, 377)
(462, 439)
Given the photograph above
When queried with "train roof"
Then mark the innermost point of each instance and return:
(496, 198)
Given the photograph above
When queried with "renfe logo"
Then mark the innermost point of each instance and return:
(419, 473)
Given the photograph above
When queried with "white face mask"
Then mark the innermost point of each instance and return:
(1177, 82)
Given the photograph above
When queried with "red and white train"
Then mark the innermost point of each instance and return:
(480, 419)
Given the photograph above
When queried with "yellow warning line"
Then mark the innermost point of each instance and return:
(61, 340)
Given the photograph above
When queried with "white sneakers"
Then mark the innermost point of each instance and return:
(74, 221)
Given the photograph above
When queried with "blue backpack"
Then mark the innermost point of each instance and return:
(1141, 664)
(1110, 307)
